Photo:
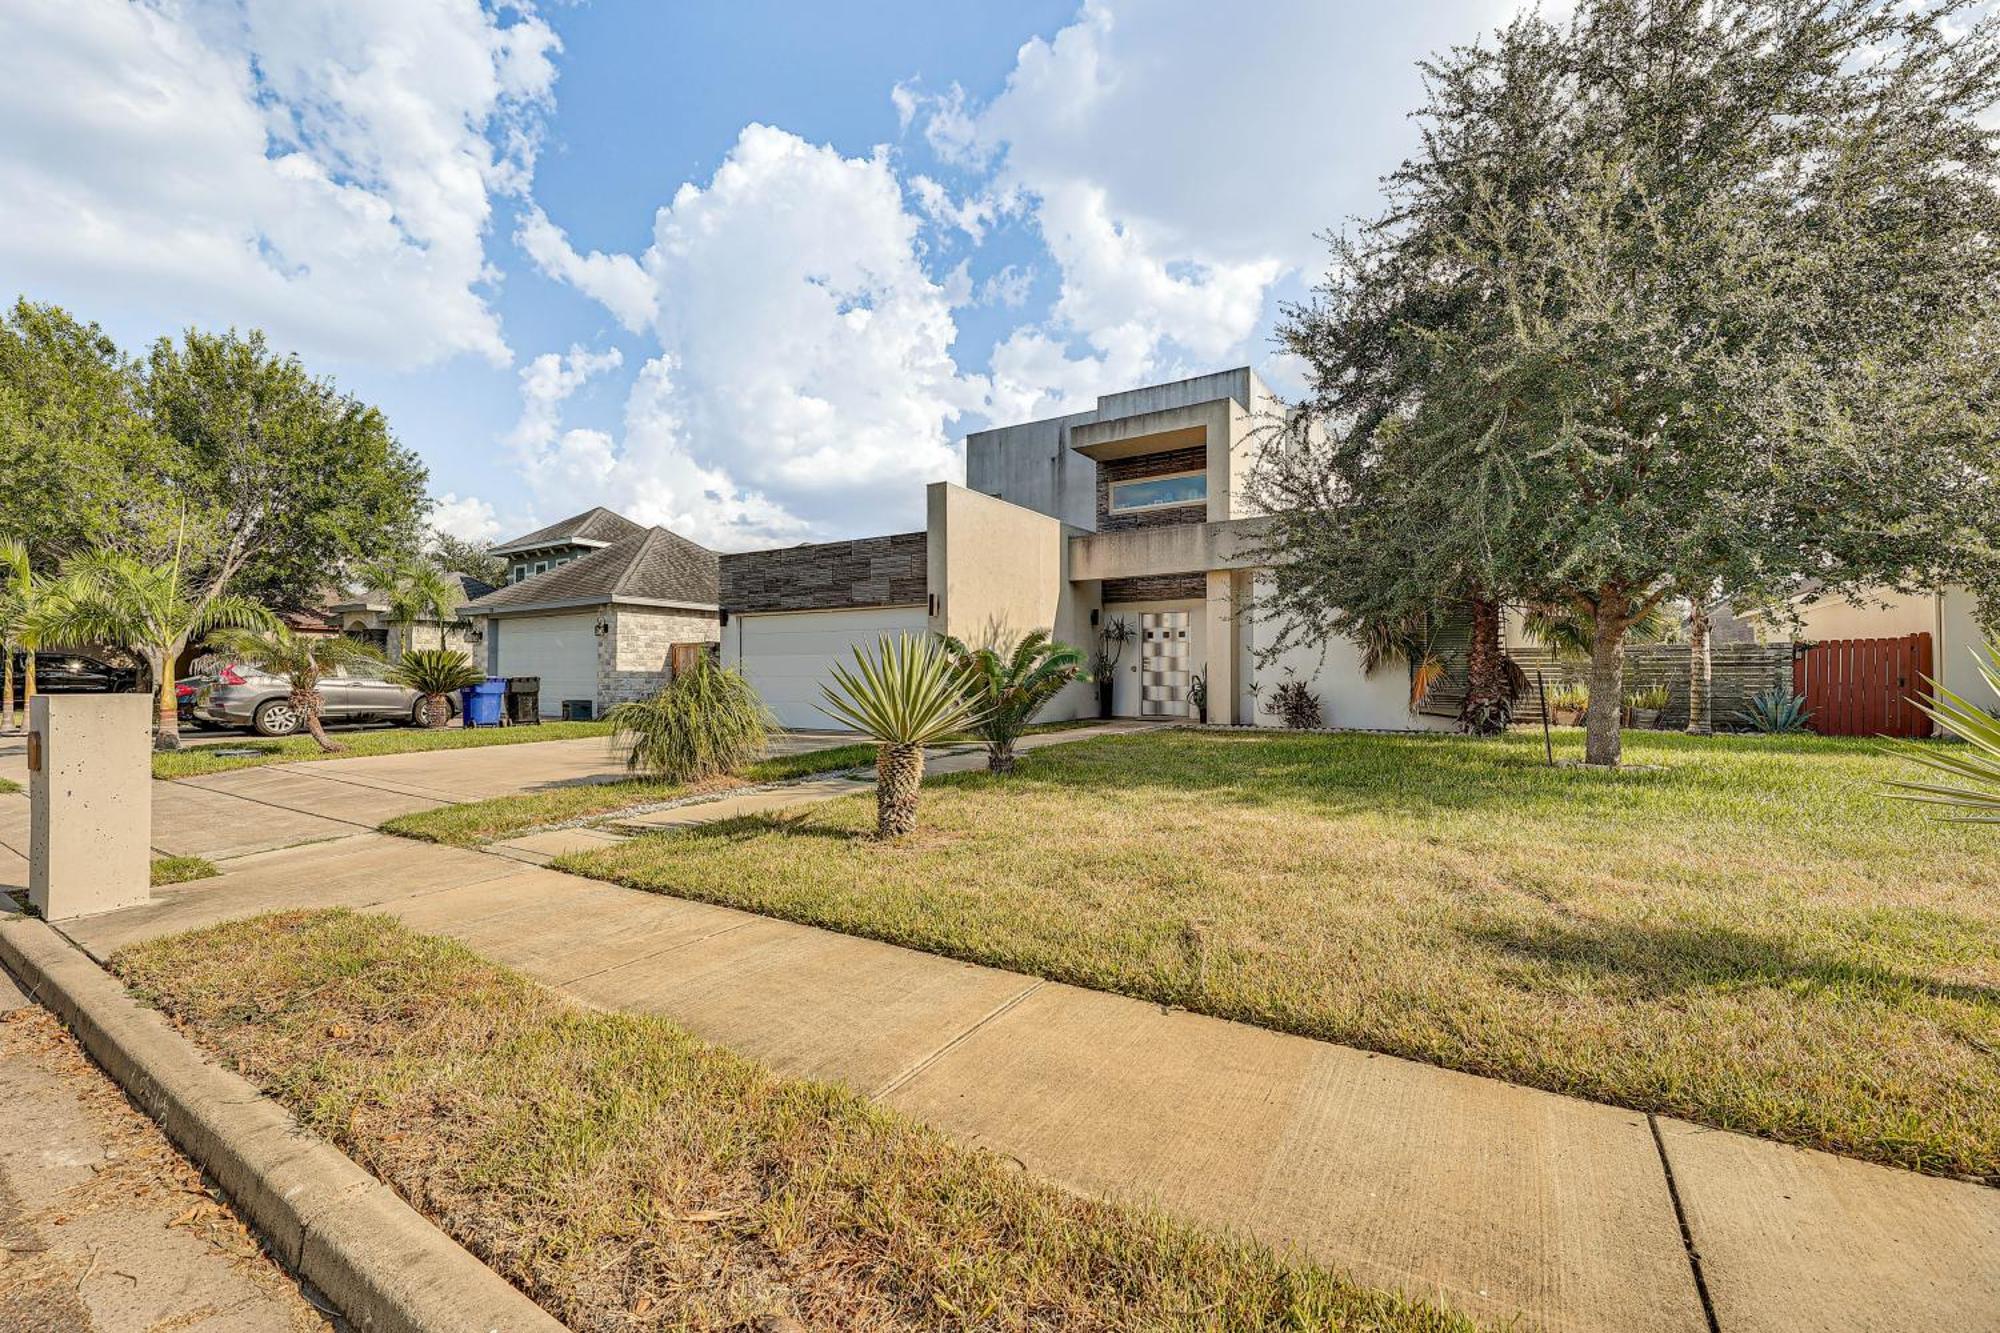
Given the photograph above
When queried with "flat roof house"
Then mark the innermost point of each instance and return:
(1133, 512)
(596, 606)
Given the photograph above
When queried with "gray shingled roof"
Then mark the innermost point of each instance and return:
(652, 565)
(592, 525)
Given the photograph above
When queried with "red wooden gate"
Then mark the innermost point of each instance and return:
(1863, 687)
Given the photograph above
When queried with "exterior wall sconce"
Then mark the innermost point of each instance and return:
(603, 627)
(475, 635)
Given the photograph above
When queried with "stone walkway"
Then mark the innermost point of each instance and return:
(1499, 1200)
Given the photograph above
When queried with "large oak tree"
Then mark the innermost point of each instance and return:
(1689, 294)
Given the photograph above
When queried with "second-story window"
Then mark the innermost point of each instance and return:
(1180, 488)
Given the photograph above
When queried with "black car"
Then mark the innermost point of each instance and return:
(73, 673)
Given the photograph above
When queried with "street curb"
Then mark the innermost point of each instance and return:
(383, 1264)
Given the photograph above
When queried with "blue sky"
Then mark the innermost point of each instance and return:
(748, 269)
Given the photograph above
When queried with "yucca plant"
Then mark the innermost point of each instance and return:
(1775, 712)
(435, 673)
(705, 722)
(1006, 689)
(303, 660)
(905, 695)
(1977, 793)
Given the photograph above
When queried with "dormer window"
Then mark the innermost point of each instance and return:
(1178, 488)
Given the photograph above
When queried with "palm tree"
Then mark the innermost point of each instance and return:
(303, 660)
(1006, 690)
(17, 606)
(1977, 770)
(415, 590)
(435, 673)
(904, 696)
(110, 597)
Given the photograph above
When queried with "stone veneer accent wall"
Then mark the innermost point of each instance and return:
(1156, 588)
(1149, 465)
(632, 660)
(827, 576)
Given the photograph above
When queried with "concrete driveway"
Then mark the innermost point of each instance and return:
(281, 805)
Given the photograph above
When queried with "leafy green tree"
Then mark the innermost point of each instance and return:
(292, 474)
(18, 601)
(706, 722)
(904, 695)
(456, 555)
(111, 597)
(435, 673)
(303, 660)
(1006, 689)
(1677, 295)
(78, 454)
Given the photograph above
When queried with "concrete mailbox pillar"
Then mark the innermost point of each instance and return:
(90, 799)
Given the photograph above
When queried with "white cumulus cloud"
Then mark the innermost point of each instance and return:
(324, 169)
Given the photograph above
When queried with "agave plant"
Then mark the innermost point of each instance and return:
(1977, 791)
(707, 721)
(905, 695)
(1775, 712)
(1005, 690)
(303, 660)
(435, 673)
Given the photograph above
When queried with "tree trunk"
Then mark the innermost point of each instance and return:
(27, 685)
(167, 727)
(437, 710)
(1607, 686)
(899, 776)
(1701, 721)
(308, 704)
(1000, 758)
(1486, 711)
(7, 687)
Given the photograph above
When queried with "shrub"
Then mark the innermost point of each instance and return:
(435, 673)
(1569, 697)
(1775, 712)
(706, 722)
(1005, 689)
(1650, 697)
(1296, 705)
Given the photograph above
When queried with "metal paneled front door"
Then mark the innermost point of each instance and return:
(1163, 663)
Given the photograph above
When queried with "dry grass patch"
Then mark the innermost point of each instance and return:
(181, 869)
(499, 817)
(628, 1176)
(1745, 933)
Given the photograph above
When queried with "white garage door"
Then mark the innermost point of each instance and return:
(786, 656)
(562, 650)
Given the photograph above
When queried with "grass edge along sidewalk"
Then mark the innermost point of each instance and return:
(196, 761)
(618, 1169)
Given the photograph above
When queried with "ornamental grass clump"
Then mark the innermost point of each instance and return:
(707, 722)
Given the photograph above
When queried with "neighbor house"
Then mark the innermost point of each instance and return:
(365, 615)
(1134, 513)
(597, 607)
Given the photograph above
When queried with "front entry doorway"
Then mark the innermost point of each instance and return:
(1163, 663)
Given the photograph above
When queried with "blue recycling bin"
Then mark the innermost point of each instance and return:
(480, 705)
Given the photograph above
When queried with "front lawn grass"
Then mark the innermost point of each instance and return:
(500, 817)
(8, 786)
(1741, 931)
(199, 760)
(626, 1175)
(181, 869)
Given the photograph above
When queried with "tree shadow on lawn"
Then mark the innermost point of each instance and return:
(1656, 962)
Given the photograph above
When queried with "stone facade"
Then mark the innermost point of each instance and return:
(633, 657)
(829, 576)
(1149, 465)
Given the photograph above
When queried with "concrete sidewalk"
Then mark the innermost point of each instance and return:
(1499, 1200)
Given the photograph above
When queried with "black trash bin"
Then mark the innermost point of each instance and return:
(524, 700)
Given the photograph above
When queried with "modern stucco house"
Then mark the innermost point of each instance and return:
(1133, 512)
(597, 607)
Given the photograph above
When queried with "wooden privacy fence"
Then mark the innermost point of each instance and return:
(1863, 687)
(1737, 671)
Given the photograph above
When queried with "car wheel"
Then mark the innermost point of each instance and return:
(276, 717)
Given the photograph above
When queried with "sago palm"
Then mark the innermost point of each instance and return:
(905, 695)
(1976, 793)
(435, 673)
(706, 722)
(110, 597)
(303, 660)
(1006, 690)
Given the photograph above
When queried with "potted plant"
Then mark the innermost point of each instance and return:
(1643, 707)
(1198, 696)
(1112, 637)
(1568, 703)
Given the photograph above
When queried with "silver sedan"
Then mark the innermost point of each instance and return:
(241, 696)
